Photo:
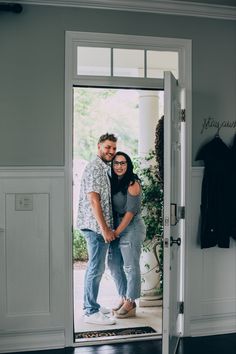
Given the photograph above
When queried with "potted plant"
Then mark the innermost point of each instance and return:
(150, 171)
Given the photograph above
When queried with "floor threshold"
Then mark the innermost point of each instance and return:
(117, 339)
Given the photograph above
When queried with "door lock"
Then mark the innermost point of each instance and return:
(177, 241)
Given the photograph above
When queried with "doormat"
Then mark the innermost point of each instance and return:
(114, 332)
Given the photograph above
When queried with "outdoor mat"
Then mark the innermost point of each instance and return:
(114, 332)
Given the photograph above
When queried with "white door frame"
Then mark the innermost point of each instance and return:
(72, 39)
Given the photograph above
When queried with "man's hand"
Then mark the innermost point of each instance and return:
(108, 235)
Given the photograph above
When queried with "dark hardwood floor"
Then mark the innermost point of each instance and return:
(221, 344)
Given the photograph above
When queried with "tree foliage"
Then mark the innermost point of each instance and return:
(97, 111)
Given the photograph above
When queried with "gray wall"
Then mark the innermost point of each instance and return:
(32, 74)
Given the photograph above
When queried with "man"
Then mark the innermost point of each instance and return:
(96, 223)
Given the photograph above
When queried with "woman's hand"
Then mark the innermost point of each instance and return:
(124, 223)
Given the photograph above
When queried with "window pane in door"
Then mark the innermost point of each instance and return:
(93, 61)
(128, 62)
(159, 61)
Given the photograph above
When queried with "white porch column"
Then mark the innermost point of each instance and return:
(148, 118)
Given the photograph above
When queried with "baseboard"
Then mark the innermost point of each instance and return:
(27, 341)
(212, 325)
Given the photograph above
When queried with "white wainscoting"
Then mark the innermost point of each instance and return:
(211, 277)
(34, 274)
(32, 259)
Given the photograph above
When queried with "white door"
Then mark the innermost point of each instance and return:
(173, 221)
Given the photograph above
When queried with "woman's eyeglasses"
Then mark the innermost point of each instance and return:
(121, 163)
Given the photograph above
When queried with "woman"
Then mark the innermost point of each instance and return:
(124, 252)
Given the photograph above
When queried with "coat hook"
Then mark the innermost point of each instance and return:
(217, 133)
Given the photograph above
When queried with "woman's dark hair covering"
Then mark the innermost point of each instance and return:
(129, 177)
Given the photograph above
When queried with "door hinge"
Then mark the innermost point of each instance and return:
(181, 307)
(181, 212)
(182, 115)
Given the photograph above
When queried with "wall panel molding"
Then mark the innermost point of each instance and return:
(28, 273)
(211, 277)
(213, 325)
(31, 340)
(33, 172)
(32, 259)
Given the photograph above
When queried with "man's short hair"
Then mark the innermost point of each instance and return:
(107, 136)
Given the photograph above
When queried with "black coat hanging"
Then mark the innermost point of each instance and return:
(215, 196)
(233, 189)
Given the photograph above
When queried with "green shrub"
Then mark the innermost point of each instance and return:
(79, 247)
(152, 205)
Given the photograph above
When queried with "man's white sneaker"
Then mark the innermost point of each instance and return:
(104, 310)
(99, 318)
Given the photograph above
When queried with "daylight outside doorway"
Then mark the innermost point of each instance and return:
(132, 115)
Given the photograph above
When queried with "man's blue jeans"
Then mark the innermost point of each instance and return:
(124, 256)
(97, 249)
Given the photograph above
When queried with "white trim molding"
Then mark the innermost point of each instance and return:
(213, 325)
(167, 7)
(32, 172)
(34, 340)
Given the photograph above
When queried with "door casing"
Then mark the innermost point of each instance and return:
(183, 47)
